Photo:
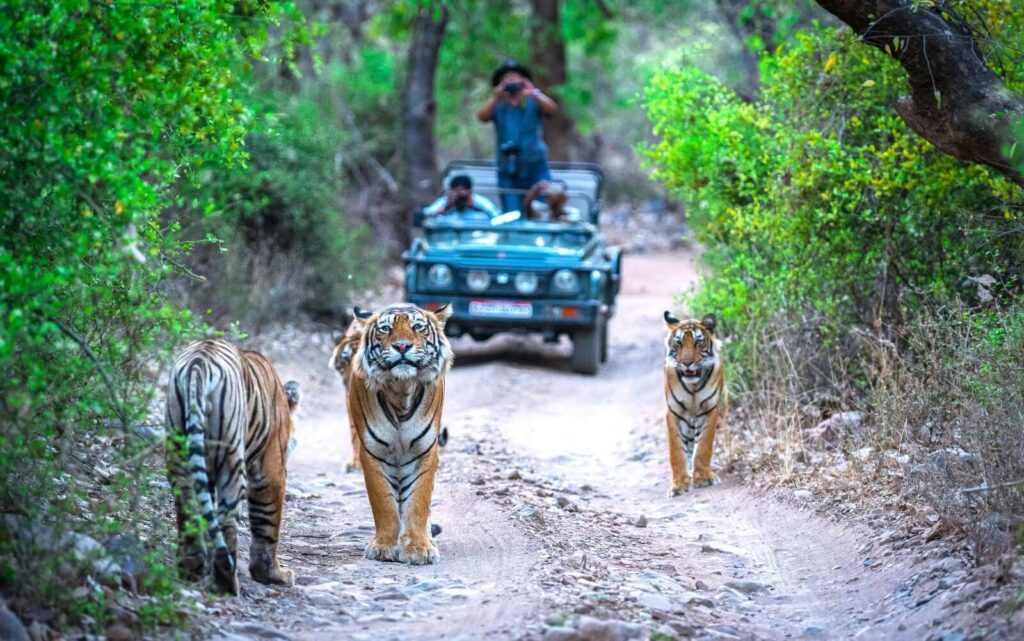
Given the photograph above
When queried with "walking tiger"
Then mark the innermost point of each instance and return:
(396, 393)
(228, 428)
(694, 395)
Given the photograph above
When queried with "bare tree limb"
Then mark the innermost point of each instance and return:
(107, 380)
(956, 101)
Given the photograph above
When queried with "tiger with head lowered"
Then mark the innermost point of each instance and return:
(694, 393)
(396, 393)
(341, 361)
(228, 429)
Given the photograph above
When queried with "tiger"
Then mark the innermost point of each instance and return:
(695, 398)
(229, 430)
(396, 394)
(341, 361)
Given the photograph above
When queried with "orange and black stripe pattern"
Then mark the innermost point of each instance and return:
(228, 426)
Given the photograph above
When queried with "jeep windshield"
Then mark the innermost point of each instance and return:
(522, 235)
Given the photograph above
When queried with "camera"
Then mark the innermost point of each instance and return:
(509, 157)
(513, 88)
(461, 201)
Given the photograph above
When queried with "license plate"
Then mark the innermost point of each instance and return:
(501, 308)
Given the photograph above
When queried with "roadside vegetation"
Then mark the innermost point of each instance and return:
(869, 281)
(201, 166)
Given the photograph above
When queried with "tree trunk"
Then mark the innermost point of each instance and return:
(956, 101)
(421, 182)
(548, 64)
(742, 27)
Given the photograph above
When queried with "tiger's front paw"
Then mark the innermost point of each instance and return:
(271, 574)
(382, 552)
(679, 487)
(419, 553)
(706, 479)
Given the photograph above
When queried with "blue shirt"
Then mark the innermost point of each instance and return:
(521, 125)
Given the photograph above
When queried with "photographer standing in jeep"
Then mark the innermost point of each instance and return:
(515, 107)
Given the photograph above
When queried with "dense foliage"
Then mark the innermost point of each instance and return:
(817, 202)
(855, 266)
(107, 106)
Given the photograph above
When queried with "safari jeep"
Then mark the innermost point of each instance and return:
(522, 276)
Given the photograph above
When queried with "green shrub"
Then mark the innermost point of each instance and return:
(286, 242)
(106, 106)
(817, 203)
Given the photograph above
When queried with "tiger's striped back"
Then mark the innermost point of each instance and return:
(229, 422)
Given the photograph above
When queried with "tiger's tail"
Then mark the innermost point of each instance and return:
(195, 436)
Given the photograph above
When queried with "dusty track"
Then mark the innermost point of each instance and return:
(541, 487)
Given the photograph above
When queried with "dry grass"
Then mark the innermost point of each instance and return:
(944, 427)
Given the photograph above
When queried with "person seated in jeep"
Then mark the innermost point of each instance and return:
(460, 201)
(554, 207)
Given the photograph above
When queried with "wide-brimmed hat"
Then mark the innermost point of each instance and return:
(506, 67)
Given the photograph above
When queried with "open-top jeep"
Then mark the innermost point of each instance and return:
(517, 275)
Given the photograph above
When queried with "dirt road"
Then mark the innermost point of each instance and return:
(553, 498)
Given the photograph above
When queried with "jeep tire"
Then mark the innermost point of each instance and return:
(586, 350)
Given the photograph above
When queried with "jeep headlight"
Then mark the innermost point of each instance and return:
(440, 277)
(526, 283)
(478, 280)
(565, 281)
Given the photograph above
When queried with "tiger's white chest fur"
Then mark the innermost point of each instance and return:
(690, 404)
(400, 431)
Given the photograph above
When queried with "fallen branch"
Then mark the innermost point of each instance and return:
(988, 488)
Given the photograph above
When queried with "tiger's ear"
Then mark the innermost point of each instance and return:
(361, 313)
(670, 320)
(292, 393)
(709, 322)
(443, 313)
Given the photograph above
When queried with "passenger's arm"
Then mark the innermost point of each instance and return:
(530, 197)
(486, 112)
(548, 107)
(436, 208)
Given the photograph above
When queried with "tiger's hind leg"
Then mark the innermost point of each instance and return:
(357, 447)
(702, 474)
(266, 510)
(230, 492)
(676, 458)
(192, 555)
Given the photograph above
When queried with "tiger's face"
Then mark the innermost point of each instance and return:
(403, 342)
(690, 347)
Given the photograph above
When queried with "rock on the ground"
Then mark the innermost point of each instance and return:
(597, 630)
(835, 427)
(11, 627)
(120, 632)
(591, 629)
(989, 603)
(697, 599)
(746, 587)
(655, 601)
(259, 630)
